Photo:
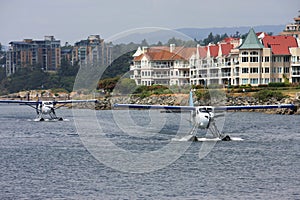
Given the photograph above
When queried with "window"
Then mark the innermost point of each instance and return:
(253, 80)
(245, 70)
(253, 59)
(253, 53)
(245, 53)
(267, 70)
(286, 59)
(267, 59)
(244, 59)
(274, 70)
(279, 70)
(244, 81)
(254, 70)
(286, 70)
(267, 80)
(277, 59)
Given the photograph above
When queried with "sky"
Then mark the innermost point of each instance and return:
(74, 20)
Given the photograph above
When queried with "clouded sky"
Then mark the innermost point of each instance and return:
(73, 20)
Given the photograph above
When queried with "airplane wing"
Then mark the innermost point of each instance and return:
(21, 102)
(142, 106)
(75, 101)
(250, 107)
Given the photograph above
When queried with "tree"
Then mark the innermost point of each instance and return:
(144, 43)
(126, 86)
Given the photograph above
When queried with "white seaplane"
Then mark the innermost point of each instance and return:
(203, 117)
(46, 108)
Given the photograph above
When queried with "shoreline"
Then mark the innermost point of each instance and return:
(106, 102)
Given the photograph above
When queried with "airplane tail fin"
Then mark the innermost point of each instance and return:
(191, 102)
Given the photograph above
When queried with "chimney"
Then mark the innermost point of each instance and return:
(172, 47)
(144, 49)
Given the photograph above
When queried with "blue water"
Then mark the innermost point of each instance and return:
(48, 160)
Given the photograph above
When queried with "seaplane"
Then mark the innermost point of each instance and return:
(204, 117)
(47, 108)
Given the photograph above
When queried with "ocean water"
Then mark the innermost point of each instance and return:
(49, 160)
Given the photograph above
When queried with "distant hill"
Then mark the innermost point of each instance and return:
(201, 33)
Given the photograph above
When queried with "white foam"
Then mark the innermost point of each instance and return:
(190, 137)
(236, 139)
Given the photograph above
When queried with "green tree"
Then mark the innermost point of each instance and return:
(126, 86)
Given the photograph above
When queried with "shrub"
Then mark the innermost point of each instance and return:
(265, 95)
(277, 84)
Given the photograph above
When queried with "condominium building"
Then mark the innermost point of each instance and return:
(259, 59)
(293, 29)
(44, 54)
(92, 50)
(160, 65)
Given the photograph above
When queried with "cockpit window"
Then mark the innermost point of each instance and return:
(48, 103)
(205, 109)
(209, 109)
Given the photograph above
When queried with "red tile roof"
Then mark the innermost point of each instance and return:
(158, 54)
(202, 52)
(226, 48)
(213, 50)
(279, 44)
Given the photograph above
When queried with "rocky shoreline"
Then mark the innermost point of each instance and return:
(106, 103)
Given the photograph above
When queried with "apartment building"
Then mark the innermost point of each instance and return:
(92, 50)
(160, 65)
(259, 59)
(45, 54)
(293, 29)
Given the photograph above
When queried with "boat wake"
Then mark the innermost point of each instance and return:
(48, 120)
(202, 139)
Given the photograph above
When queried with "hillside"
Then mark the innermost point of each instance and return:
(200, 33)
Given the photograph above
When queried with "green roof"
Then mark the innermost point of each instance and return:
(251, 41)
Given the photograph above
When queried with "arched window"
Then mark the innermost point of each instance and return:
(253, 53)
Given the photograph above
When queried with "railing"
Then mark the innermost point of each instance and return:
(182, 66)
(296, 73)
(160, 66)
(180, 76)
(135, 67)
(161, 76)
(226, 74)
(296, 62)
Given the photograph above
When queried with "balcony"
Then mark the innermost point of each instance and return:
(296, 73)
(214, 75)
(160, 66)
(132, 67)
(182, 66)
(226, 74)
(181, 76)
(160, 76)
(296, 63)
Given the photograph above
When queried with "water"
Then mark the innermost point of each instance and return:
(47, 160)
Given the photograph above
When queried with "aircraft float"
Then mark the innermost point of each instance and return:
(203, 117)
(46, 108)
